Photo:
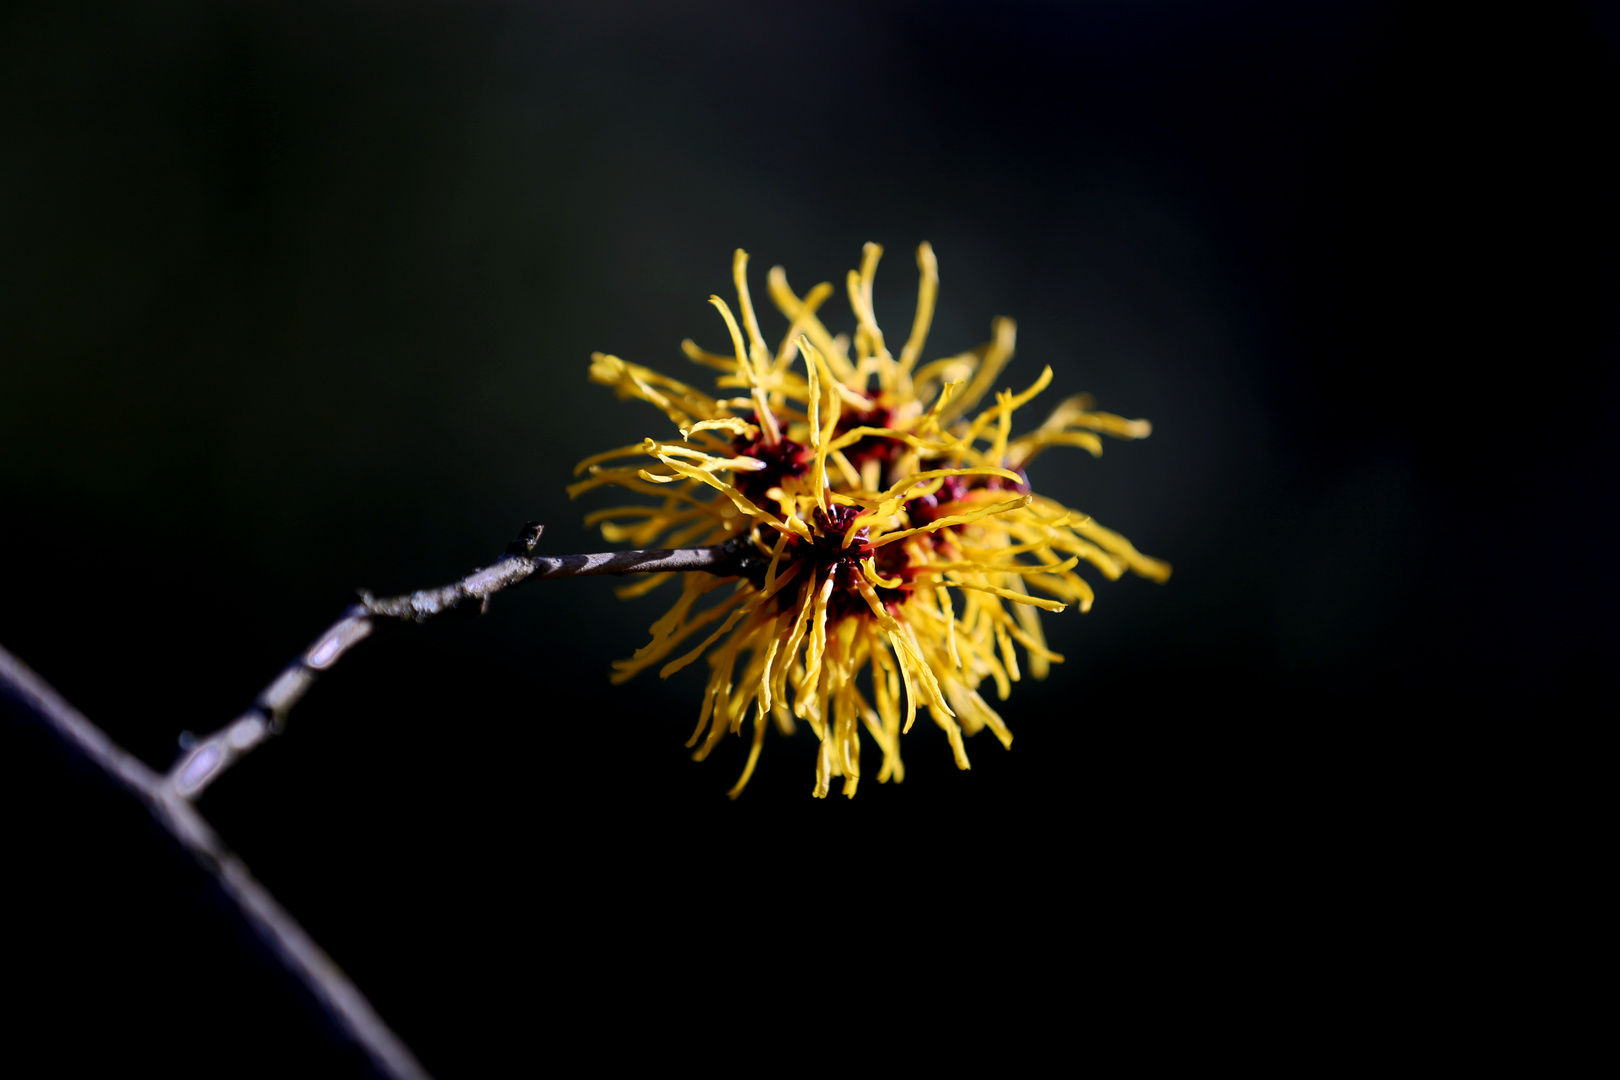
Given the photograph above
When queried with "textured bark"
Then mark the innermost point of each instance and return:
(170, 796)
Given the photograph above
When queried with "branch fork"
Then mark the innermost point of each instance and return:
(171, 796)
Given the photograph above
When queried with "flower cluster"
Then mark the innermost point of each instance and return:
(870, 490)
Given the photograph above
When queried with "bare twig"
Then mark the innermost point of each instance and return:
(339, 996)
(205, 760)
(170, 796)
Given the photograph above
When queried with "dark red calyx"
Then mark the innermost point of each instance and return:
(869, 447)
(831, 524)
(925, 509)
(843, 564)
(786, 458)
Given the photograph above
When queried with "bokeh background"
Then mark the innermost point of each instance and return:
(299, 297)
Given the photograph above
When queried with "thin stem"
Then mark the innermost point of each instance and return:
(342, 1000)
(170, 796)
(205, 760)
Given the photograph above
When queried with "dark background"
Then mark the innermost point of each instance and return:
(297, 298)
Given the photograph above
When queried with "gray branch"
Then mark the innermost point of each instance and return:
(332, 988)
(205, 760)
(170, 797)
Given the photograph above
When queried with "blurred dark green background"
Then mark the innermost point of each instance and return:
(299, 297)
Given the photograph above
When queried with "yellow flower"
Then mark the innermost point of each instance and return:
(869, 493)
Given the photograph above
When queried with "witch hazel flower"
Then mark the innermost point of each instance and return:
(899, 558)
